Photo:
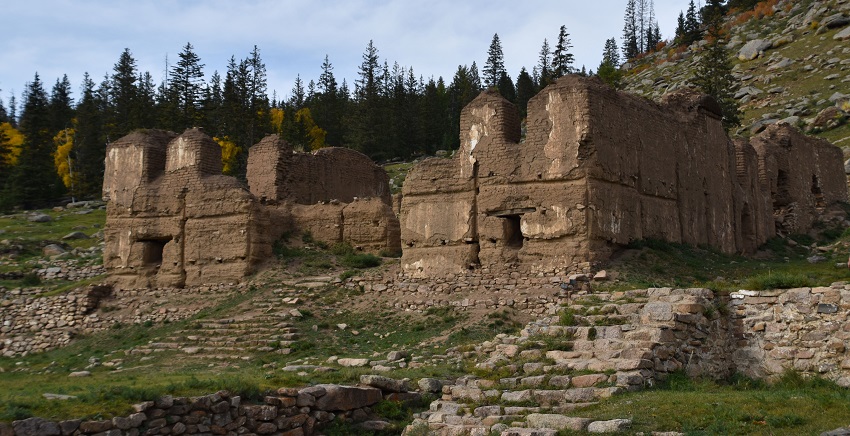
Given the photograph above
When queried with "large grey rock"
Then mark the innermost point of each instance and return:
(611, 426)
(384, 383)
(36, 427)
(842, 35)
(52, 250)
(835, 21)
(557, 422)
(433, 385)
(75, 235)
(40, 218)
(747, 90)
(753, 49)
(341, 398)
(352, 362)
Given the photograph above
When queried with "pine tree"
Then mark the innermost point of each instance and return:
(495, 65)
(475, 79)
(506, 87)
(367, 119)
(544, 66)
(630, 32)
(608, 70)
(123, 106)
(713, 74)
(90, 141)
(562, 61)
(34, 181)
(525, 89)
(61, 105)
(329, 106)
(693, 33)
(680, 28)
(185, 90)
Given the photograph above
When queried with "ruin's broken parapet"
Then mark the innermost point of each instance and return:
(174, 220)
(598, 169)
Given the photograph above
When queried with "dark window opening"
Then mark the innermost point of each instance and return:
(782, 196)
(817, 193)
(152, 251)
(511, 231)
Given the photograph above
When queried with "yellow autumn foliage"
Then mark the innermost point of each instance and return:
(276, 115)
(315, 134)
(229, 151)
(64, 141)
(15, 139)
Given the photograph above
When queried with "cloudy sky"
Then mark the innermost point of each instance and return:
(55, 37)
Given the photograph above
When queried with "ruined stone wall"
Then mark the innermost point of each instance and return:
(803, 174)
(268, 162)
(133, 160)
(309, 191)
(597, 170)
(332, 173)
(189, 225)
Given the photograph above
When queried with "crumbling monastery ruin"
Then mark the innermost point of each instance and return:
(600, 168)
(174, 220)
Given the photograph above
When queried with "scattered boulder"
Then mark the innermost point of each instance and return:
(80, 374)
(352, 362)
(835, 21)
(53, 250)
(753, 49)
(385, 383)
(611, 426)
(430, 385)
(842, 35)
(75, 235)
(39, 218)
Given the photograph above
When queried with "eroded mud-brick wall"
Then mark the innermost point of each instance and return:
(803, 175)
(598, 169)
(311, 191)
(182, 222)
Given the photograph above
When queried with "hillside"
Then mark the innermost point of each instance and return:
(791, 58)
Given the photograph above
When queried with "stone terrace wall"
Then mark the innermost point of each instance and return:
(805, 329)
(289, 412)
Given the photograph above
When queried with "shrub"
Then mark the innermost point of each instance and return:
(31, 279)
(567, 317)
(361, 261)
(778, 280)
(342, 249)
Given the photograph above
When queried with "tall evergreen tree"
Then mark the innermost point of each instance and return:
(61, 105)
(475, 79)
(525, 89)
(630, 32)
(693, 32)
(713, 74)
(608, 70)
(562, 61)
(90, 141)
(185, 89)
(124, 111)
(506, 87)
(544, 66)
(367, 122)
(495, 65)
(329, 106)
(34, 181)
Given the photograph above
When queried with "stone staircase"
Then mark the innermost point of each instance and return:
(261, 325)
(617, 343)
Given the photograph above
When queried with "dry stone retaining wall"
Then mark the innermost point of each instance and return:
(289, 412)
